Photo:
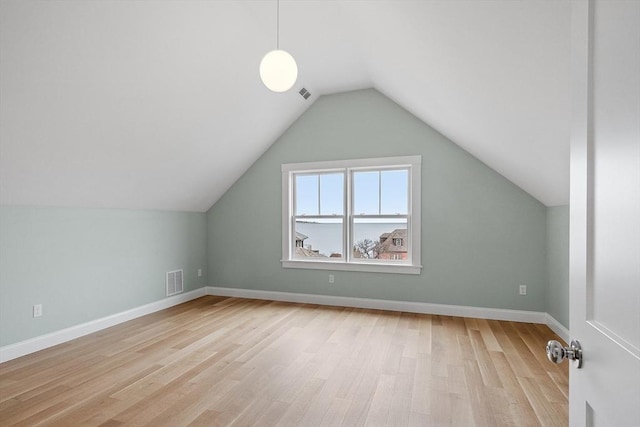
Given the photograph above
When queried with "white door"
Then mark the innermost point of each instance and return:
(605, 212)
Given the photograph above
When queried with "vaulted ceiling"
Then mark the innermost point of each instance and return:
(159, 105)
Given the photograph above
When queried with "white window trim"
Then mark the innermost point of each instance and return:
(414, 163)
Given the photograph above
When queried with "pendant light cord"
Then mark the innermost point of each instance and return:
(278, 24)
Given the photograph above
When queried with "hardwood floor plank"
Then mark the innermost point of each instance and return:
(521, 410)
(459, 400)
(440, 403)
(20, 410)
(206, 419)
(483, 414)
(488, 371)
(336, 412)
(544, 411)
(298, 408)
(379, 409)
(231, 361)
(402, 394)
(362, 397)
(420, 394)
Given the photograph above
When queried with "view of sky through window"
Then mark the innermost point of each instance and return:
(320, 194)
(380, 192)
(375, 193)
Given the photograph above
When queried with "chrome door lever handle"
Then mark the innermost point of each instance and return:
(557, 353)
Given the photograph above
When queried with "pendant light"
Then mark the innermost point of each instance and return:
(278, 69)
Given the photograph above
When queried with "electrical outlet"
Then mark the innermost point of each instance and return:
(199, 272)
(523, 289)
(37, 310)
(331, 278)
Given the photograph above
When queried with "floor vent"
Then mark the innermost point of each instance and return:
(175, 284)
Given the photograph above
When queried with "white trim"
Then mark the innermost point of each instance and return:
(41, 342)
(413, 216)
(355, 163)
(415, 210)
(352, 266)
(288, 239)
(557, 327)
(406, 306)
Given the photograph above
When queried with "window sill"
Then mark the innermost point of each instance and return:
(353, 266)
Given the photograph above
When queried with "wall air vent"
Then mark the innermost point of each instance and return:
(175, 283)
(304, 93)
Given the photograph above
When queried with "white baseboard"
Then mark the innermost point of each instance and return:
(407, 306)
(557, 327)
(32, 345)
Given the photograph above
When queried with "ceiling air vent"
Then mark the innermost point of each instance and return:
(175, 284)
(304, 93)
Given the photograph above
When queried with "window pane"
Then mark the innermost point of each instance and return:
(395, 187)
(306, 195)
(318, 238)
(380, 239)
(366, 194)
(332, 194)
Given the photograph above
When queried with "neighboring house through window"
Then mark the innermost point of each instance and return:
(361, 215)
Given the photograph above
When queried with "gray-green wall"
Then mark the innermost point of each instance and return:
(482, 236)
(558, 263)
(84, 264)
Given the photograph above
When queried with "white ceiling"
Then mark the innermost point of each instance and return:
(159, 105)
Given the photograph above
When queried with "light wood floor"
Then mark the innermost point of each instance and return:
(230, 361)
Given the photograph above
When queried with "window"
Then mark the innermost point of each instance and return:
(359, 215)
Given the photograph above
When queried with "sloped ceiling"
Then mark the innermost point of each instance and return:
(158, 104)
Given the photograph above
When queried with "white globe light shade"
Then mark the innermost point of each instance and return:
(278, 71)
